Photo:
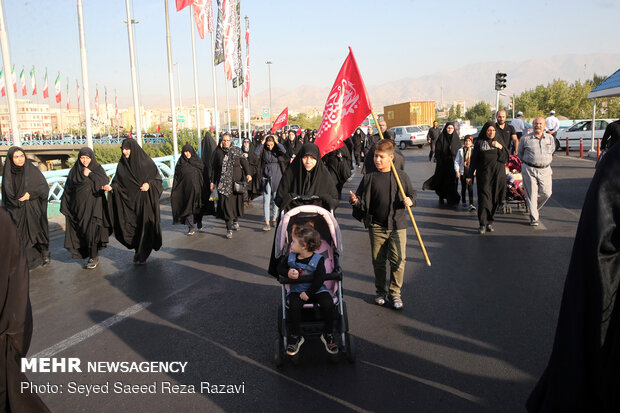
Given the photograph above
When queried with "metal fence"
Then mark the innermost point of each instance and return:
(77, 141)
(56, 179)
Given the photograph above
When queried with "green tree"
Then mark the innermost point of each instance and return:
(451, 114)
(459, 111)
(479, 114)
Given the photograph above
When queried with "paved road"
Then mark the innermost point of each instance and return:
(475, 333)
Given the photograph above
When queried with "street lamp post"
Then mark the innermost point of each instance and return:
(179, 85)
(269, 63)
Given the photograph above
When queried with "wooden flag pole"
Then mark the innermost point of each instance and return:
(402, 192)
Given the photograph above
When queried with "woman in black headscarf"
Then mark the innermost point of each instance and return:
(15, 322)
(583, 374)
(358, 139)
(487, 162)
(134, 203)
(254, 189)
(338, 163)
(187, 197)
(229, 168)
(84, 206)
(272, 161)
(307, 175)
(291, 144)
(24, 196)
(444, 181)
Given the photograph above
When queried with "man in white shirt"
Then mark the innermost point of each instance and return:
(552, 123)
(518, 124)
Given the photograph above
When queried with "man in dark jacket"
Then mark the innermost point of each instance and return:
(611, 135)
(379, 204)
(369, 163)
(431, 137)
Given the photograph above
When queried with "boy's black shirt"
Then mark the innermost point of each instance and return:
(379, 206)
(365, 192)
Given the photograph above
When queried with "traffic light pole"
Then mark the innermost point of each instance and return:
(497, 101)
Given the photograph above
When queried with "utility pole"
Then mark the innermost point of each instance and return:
(6, 60)
(269, 63)
(134, 76)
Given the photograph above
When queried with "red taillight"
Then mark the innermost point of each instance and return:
(412, 137)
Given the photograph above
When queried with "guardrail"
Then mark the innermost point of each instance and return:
(77, 141)
(56, 179)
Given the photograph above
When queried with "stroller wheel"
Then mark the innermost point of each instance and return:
(278, 353)
(350, 348)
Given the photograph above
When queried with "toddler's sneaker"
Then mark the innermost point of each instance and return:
(294, 344)
(330, 346)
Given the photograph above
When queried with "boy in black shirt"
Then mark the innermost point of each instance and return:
(380, 206)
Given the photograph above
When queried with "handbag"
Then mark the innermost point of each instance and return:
(240, 188)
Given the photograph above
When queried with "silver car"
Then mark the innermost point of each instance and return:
(410, 135)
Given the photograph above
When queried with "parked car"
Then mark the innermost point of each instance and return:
(411, 135)
(528, 127)
(581, 129)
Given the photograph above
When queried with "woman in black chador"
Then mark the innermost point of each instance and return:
(307, 175)
(85, 209)
(24, 196)
(229, 168)
(583, 374)
(444, 182)
(487, 162)
(15, 323)
(134, 203)
(188, 196)
(338, 163)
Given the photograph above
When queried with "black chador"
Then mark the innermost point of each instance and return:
(444, 181)
(29, 215)
(583, 374)
(136, 211)
(84, 206)
(15, 322)
(338, 163)
(488, 164)
(317, 181)
(189, 195)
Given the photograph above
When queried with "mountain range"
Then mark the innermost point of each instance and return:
(471, 83)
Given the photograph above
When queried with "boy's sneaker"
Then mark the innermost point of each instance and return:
(236, 226)
(229, 234)
(330, 346)
(397, 303)
(294, 344)
(191, 232)
(92, 263)
(472, 207)
(380, 300)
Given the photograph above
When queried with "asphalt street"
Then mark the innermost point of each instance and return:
(474, 335)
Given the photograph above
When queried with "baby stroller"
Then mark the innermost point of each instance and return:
(515, 195)
(331, 248)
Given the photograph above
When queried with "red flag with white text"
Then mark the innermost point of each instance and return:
(203, 14)
(181, 4)
(281, 120)
(346, 108)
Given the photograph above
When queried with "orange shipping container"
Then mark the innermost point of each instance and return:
(409, 113)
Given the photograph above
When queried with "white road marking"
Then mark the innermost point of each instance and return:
(89, 332)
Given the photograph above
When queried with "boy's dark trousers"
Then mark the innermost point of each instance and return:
(465, 186)
(326, 305)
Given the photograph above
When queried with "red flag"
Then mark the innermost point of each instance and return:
(346, 108)
(203, 10)
(181, 4)
(45, 89)
(158, 128)
(281, 120)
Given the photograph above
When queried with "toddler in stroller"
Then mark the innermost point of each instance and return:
(514, 181)
(307, 247)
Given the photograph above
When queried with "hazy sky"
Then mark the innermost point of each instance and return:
(306, 40)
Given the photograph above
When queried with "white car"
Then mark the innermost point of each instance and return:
(411, 135)
(581, 129)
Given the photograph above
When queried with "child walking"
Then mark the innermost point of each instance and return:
(461, 166)
(379, 204)
(303, 261)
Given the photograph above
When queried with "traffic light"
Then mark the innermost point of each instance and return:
(500, 81)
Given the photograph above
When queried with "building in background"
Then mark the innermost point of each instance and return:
(34, 119)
